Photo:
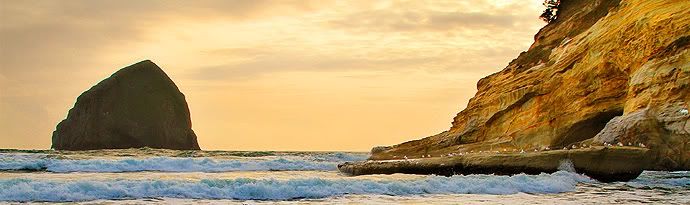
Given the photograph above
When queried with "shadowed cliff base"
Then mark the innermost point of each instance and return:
(138, 106)
(604, 73)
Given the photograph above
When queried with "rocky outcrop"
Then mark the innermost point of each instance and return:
(599, 60)
(663, 129)
(138, 106)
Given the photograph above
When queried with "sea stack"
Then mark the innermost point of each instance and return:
(605, 86)
(138, 106)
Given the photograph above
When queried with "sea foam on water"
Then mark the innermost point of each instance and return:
(24, 190)
(42, 162)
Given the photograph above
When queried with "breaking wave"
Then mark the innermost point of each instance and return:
(25, 190)
(40, 162)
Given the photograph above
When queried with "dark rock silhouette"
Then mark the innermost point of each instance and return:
(138, 106)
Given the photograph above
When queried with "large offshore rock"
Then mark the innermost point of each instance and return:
(138, 106)
(600, 59)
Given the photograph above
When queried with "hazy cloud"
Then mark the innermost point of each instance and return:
(324, 58)
(384, 20)
(42, 34)
(261, 62)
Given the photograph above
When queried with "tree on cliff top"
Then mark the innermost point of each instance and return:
(551, 11)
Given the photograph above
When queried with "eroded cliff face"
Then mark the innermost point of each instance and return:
(626, 60)
(138, 106)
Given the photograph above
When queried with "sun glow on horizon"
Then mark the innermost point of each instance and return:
(264, 75)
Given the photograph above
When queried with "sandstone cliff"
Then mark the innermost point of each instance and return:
(606, 72)
(138, 106)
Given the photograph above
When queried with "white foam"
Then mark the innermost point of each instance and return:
(38, 162)
(26, 190)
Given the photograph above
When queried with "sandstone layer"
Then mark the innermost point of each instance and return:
(138, 106)
(605, 73)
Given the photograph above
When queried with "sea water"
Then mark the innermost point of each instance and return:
(154, 176)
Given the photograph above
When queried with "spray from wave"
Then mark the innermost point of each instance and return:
(566, 165)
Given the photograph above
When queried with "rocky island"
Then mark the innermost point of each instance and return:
(138, 106)
(603, 89)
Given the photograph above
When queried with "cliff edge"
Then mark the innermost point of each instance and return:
(606, 73)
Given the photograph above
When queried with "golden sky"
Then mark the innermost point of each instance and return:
(260, 74)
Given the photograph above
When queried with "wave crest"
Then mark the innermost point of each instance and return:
(25, 190)
(36, 162)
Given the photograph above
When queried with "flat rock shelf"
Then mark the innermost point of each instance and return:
(602, 163)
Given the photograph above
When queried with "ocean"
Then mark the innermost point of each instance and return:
(155, 176)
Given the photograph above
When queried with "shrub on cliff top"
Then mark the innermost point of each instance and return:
(551, 11)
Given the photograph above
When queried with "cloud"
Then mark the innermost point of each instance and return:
(258, 61)
(435, 16)
(40, 35)
(387, 21)
(251, 63)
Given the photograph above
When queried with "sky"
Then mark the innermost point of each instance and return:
(264, 75)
